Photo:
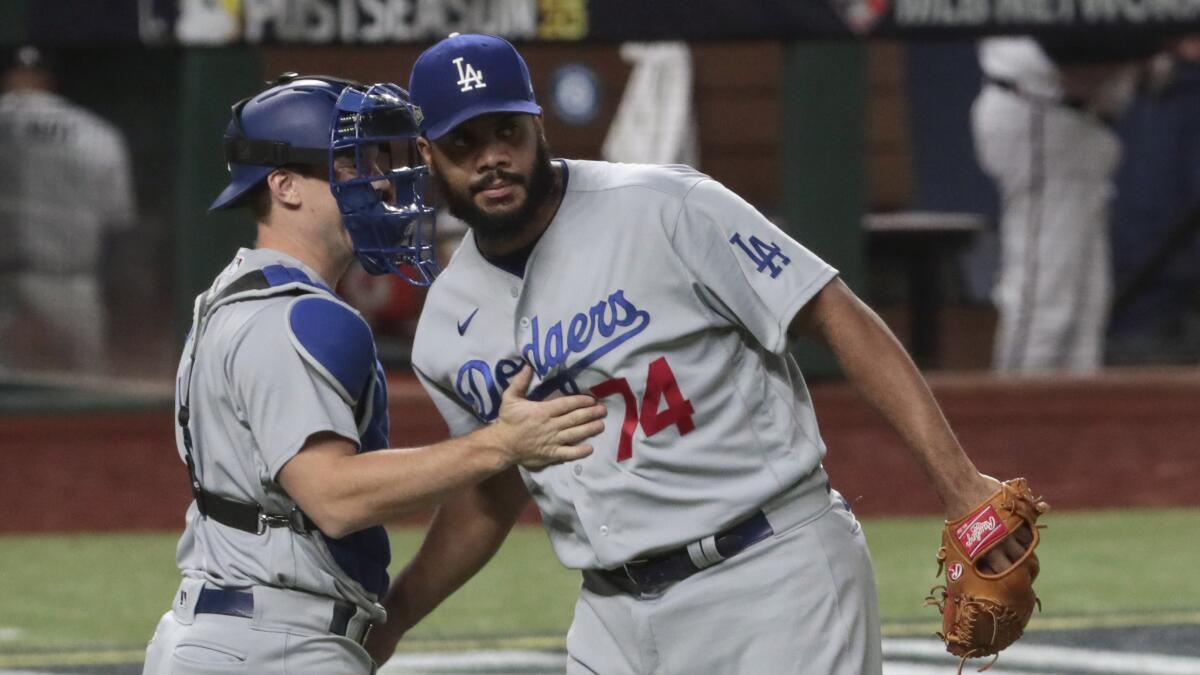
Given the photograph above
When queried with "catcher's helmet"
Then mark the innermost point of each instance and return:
(287, 124)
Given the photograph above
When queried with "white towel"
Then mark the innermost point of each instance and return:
(655, 122)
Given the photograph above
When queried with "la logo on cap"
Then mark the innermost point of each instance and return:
(468, 77)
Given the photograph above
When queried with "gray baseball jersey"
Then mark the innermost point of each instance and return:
(50, 263)
(273, 369)
(668, 296)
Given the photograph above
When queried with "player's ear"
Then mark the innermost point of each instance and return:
(426, 150)
(539, 127)
(282, 184)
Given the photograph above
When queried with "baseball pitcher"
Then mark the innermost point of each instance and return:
(707, 534)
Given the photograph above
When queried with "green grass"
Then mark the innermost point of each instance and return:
(524, 591)
(1098, 562)
(60, 591)
(84, 589)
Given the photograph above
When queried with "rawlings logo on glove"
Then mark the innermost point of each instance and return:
(984, 612)
(981, 529)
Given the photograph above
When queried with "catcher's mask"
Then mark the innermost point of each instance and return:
(392, 229)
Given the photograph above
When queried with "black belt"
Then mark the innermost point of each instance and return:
(248, 516)
(681, 563)
(215, 600)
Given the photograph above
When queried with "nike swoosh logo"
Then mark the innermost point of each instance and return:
(462, 325)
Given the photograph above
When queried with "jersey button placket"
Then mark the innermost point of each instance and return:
(520, 321)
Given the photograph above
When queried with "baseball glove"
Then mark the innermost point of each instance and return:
(982, 612)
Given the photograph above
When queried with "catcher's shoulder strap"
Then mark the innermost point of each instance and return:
(272, 281)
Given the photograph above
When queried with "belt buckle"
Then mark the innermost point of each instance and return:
(293, 520)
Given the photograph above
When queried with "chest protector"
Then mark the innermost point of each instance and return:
(338, 344)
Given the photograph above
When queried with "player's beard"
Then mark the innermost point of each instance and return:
(499, 227)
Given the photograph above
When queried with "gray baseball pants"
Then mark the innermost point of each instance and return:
(803, 601)
(288, 634)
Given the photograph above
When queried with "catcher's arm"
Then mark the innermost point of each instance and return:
(874, 361)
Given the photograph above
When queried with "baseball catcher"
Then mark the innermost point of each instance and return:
(986, 610)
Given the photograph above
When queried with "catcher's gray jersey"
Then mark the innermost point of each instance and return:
(272, 370)
(668, 296)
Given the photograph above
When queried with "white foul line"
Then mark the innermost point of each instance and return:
(523, 661)
(901, 656)
(1054, 659)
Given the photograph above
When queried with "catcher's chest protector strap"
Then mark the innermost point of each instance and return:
(244, 516)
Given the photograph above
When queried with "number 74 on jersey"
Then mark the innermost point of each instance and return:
(660, 386)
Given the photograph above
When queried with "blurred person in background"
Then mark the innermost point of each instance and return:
(1155, 228)
(391, 307)
(1042, 127)
(65, 188)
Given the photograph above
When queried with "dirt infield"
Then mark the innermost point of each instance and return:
(1128, 439)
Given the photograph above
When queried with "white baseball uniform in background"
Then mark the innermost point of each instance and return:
(668, 296)
(65, 181)
(1053, 166)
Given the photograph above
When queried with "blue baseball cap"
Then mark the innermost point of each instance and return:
(468, 75)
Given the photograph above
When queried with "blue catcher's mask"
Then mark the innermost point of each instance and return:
(390, 235)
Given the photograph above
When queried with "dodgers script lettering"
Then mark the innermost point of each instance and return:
(579, 341)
